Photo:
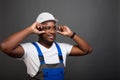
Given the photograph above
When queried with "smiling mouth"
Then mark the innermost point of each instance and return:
(51, 36)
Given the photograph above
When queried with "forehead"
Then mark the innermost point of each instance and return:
(49, 22)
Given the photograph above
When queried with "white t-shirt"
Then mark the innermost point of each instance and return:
(31, 58)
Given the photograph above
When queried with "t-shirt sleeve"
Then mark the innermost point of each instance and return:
(26, 48)
(66, 48)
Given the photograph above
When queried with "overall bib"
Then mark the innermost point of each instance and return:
(49, 71)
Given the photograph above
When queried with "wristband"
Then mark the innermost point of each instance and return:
(73, 35)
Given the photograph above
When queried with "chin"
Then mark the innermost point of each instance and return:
(51, 41)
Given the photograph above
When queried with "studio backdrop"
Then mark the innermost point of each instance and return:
(97, 21)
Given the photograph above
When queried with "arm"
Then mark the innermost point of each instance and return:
(11, 47)
(82, 46)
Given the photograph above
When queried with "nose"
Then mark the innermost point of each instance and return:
(53, 30)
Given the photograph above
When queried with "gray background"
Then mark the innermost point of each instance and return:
(97, 21)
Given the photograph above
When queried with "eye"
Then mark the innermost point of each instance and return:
(54, 28)
(48, 27)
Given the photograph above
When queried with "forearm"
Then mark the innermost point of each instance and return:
(82, 44)
(13, 41)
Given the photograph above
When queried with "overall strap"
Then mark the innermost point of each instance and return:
(59, 52)
(39, 53)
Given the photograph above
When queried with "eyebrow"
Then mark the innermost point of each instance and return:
(51, 26)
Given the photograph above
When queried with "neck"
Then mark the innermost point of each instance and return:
(45, 43)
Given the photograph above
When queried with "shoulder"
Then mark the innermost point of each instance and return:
(26, 44)
(66, 47)
(28, 49)
(64, 44)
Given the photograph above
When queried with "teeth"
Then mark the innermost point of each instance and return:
(51, 36)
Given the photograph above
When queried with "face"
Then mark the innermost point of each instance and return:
(50, 31)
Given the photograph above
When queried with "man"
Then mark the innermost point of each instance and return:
(45, 59)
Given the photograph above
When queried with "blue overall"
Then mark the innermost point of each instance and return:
(49, 71)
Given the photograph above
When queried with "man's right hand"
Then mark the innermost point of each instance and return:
(11, 45)
(36, 28)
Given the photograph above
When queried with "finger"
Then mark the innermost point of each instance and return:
(61, 28)
(58, 28)
(59, 32)
(41, 32)
(40, 27)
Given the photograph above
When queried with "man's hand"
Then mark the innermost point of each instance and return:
(36, 28)
(65, 30)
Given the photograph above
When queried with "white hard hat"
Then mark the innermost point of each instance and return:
(45, 16)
